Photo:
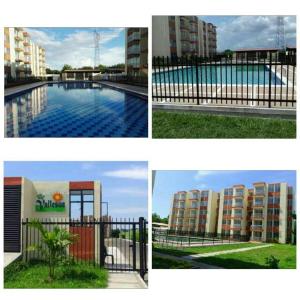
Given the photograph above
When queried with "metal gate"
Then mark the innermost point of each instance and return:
(112, 244)
(124, 245)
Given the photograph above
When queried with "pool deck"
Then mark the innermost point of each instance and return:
(139, 90)
(23, 87)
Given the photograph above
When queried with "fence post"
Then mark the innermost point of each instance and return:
(102, 256)
(197, 80)
(141, 248)
(26, 244)
(270, 78)
(134, 246)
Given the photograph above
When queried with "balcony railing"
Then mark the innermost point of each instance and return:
(256, 227)
(133, 37)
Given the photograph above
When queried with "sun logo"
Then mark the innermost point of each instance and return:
(57, 197)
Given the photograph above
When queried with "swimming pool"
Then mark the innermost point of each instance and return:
(217, 74)
(75, 109)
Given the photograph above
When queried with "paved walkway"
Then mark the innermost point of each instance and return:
(9, 257)
(143, 91)
(125, 280)
(21, 88)
(195, 264)
(193, 256)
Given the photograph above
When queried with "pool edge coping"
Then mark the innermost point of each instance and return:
(140, 94)
(245, 111)
(38, 84)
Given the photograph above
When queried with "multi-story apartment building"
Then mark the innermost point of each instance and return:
(233, 211)
(260, 213)
(183, 36)
(194, 211)
(272, 212)
(136, 54)
(21, 59)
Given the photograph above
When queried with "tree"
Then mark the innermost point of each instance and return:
(54, 244)
(156, 218)
(228, 53)
(66, 67)
(115, 233)
(86, 68)
(102, 68)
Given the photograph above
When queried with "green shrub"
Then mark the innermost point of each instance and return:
(272, 262)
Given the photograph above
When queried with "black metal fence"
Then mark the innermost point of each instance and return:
(118, 245)
(254, 79)
(172, 238)
(127, 79)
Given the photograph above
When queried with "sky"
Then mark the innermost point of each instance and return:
(75, 46)
(235, 32)
(124, 184)
(169, 182)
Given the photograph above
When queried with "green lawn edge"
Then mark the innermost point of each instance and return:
(200, 125)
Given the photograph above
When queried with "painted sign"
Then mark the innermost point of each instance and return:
(44, 204)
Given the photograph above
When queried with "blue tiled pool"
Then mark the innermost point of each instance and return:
(75, 110)
(218, 74)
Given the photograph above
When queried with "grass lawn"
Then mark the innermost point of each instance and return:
(165, 263)
(255, 259)
(200, 125)
(35, 275)
(203, 249)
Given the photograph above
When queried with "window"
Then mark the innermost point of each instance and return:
(228, 192)
(194, 204)
(259, 190)
(81, 205)
(181, 204)
(237, 222)
(239, 192)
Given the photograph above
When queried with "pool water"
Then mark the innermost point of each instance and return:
(75, 110)
(217, 75)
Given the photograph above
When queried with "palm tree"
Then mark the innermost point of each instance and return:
(55, 242)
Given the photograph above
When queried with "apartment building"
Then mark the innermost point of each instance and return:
(194, 211)
(233, 211)
(183, 36)
(272, 212)
(136, 53)
(22, 58)
(260, 213)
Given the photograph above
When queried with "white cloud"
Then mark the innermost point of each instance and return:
(86, 166)
(202, 174)
(138, 173)
(254, 32)
(77, 48)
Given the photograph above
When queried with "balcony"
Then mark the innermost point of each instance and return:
(19, 49)
(135, 36)
(236, 227)
(256, 228)
(257, 216)
(237, 216)
(237, 205)
(18, 37)
(19, 58)
(134, 50)
(258, 204)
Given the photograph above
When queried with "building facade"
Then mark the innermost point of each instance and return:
(54, 200)
(260, 213)
(136, 51)
(22, 58)
(194, 211)
(183, 36)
